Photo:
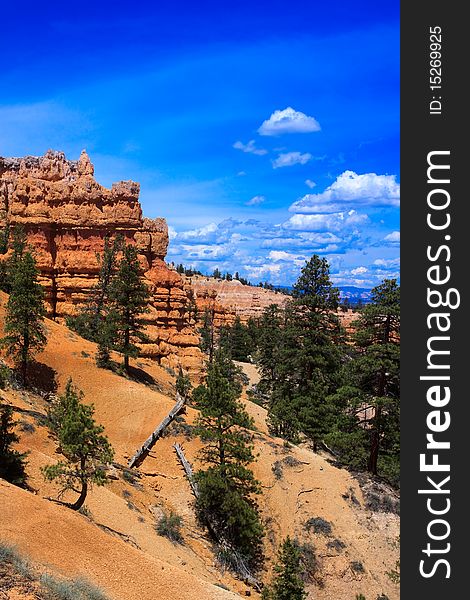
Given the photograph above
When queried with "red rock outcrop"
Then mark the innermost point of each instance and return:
(67, 215)
(229, 299)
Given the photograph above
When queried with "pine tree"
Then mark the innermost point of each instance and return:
(377, 366)
(183, 384)
(92, 322)
(227, 486)
(4, 243)
(366, 430)
(86, 451)
(12, 462)
(24, 329)
(129, 298)
(287, 583)
(207, 333)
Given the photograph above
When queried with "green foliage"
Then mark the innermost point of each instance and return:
(5, 376)
(227, 487)
(169, 525)
(183, 384)
(287, 583)
(12, 462)
(318, 525)
(70, 589)
(237, 341)
(366, 430)
(85, 450)
(89, 321)
(24, 330)
(207, 333)
(129, 297)
(299, 355)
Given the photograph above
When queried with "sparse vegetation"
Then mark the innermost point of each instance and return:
(12, 462)
(336, 544)
(46, 586)
(25, 334)
(169, 525)
(277, 469)
(357, 566)
(287, 583)
(85, 450)
(319, 525)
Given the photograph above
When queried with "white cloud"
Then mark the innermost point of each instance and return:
(291, 158)
(255, 201)
(368, 189)
(241, 174)
(310, 183)
(387, 263)
(263, 270)
(393, 237)
(200, 233)
(281, 255)
(250, 148)
(288, 121)
(321, 222)
(172, 233)
(358, 271)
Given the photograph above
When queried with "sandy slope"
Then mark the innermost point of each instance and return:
(56, 536)
(131, 564)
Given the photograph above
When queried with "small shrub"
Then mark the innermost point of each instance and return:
(169, 526)
(9, 554)
(26, 426)
(336, 544)
(318, 525)
(291, 461)
(357, 566)
(74, 589)
(85, 511)
(382, 503)
(126, 494)
(277, 469)
(382, 597)
(5, 376)
(309, 563)
(360, 597)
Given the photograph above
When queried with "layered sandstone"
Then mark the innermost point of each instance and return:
(231, 299)
(67, 215)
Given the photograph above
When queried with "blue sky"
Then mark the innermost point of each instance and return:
(263, 132)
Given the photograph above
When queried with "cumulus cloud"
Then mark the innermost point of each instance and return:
(393, 238)
(255, 201)
(368, 189)
(250, 147)
(326, 222)
(289, 159)
(311, 184)
(387, 263)
(288, 121)
(358, 271)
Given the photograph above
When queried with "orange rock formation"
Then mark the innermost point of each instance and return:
(67, 215)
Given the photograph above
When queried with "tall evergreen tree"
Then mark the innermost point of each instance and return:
(299, 355)
(378, 364)
(227, 486)
(366, 432)
(12, 462)
(287, 583)
(86, 451)
(24, 329)
(92, 321)
(129, 297)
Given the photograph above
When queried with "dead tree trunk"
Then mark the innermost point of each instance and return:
(150, 441)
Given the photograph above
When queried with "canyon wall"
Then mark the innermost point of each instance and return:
(67, 215)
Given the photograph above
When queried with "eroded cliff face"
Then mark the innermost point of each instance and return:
(67, 215)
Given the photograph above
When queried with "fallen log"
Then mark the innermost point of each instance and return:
(143, 451)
